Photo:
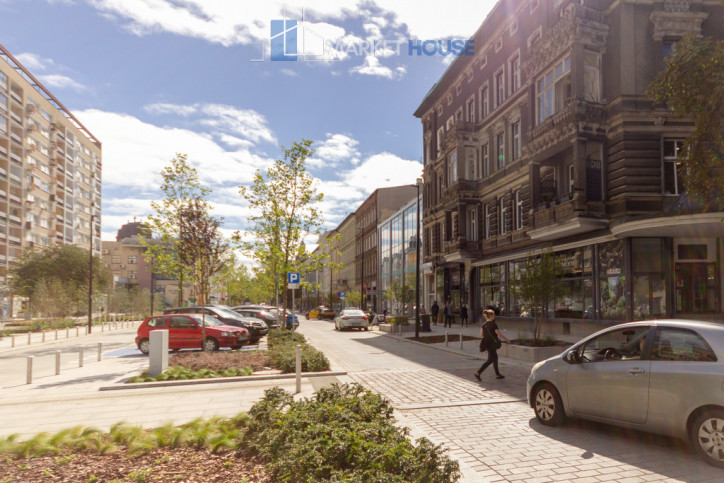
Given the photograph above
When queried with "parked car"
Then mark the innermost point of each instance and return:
(663, 376)
(261, 314)
(351, 318)
(185, 332)
(256, 329)
(320, 313)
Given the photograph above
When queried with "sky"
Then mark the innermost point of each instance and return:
(152, 78)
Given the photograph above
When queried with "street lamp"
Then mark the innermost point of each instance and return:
(90, 275)
(418, 183)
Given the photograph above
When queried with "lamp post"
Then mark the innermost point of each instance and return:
(418, 183)
(90, 275)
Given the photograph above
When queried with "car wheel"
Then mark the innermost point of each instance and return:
(211, 345)
(144, 346)
(548, 405)
(707, 436)
(367, 328)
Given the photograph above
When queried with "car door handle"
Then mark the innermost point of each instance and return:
(635, 370)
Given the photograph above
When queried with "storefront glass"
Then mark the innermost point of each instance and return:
(649, 287)
(493, 287)
(612, 280)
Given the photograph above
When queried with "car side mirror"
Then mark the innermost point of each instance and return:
(573, 357)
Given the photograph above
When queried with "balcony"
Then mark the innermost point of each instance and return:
(556, 220)
(564, 123)
(460, 249)
(460, 190)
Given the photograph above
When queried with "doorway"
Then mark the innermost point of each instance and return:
(696, 284)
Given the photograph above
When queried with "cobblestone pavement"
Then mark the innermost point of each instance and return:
(488, 427)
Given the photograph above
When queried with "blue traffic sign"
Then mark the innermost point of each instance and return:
(292, 277)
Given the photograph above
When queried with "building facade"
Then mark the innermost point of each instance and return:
(398, 241)
(382, 203)
(345, 277)
(545, 138)
(50, 173)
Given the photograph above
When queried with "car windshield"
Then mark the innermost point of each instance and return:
(210, 320)
(226, 312)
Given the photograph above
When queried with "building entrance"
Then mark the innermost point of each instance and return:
(696, 284)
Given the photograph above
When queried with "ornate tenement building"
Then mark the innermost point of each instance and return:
(546, 138)
(50, 172)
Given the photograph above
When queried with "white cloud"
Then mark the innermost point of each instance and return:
(373, 67)
(167, 108)
(334, 150)
(34, 62)
(59, 81)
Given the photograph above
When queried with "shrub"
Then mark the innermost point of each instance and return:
(283, 353)
(398, 320)
(343, 433)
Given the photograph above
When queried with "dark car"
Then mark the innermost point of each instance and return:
(256, 329)
(258, 313)
(185, 332)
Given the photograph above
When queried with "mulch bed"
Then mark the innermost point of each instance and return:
(177, 465)
(217, 361)
(437, 339)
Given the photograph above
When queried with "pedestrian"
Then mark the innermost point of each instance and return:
(488, 332)
(434, 311)
(464, 316)
(447, 312)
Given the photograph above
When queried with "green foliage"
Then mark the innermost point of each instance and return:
(283, 353)
(56, 279)
(537, 284)
(177, 373)
(353, 298)
(400, 293)
(398, 320)
(343, 433)
(693, 86)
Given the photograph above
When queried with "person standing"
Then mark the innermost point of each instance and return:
(464, 316)
(447, 312)
(434, 311)
(488, 332)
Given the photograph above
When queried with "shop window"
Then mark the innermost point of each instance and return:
(673, 166)
(553, 90)
(612, 281)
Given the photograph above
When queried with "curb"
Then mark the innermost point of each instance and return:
(216, 380)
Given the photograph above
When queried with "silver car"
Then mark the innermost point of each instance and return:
(663, 376)
(352, 318)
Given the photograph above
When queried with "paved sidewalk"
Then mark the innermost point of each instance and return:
(51, 336)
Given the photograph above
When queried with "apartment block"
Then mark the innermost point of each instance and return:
(50, 172)
(546, 139)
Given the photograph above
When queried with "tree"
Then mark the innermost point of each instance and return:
(400, 293)
(353, 298)
(283, 214)
(201, 247)
(180, 186)
(693, 86)
(537, 284)
(39, 273)
(240, 285)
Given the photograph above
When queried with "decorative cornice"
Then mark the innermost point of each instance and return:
(676, 23)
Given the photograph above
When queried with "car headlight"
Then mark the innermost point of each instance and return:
(227, 334)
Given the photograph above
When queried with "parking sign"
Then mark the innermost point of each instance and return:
(292, 280)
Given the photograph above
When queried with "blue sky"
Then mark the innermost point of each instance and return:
(151, 78)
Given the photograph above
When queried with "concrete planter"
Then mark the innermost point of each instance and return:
(529, 354)
(395, 329)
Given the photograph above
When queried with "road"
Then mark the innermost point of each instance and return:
(487, 425)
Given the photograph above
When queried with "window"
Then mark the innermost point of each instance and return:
(484, 155)
(452, 168)
(500, 146)
(471, 223)
(178, 322)
(553, 90)
(499, 87)
(515, 135)
(488, 221)
(673, 167)
(514, 73)
(518, 210)
(115, 259)
(513, 27)
(471, 164)
(470, 109)
(440, 138)
(450, 123)
(499, 44)
(535, 37)
(502, 218)
(157, 322)
(591, 76)
(133, 259)
(673, 344)
(484, 103)
(132, 274)
(615, 345)
(459, 114)
(571, 179)
(668, 48)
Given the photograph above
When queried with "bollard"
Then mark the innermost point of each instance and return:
(12, 340)
(103, 328)
(43, 339)
(29, 334)
(445, 339)
(56, 334)
(85, 329)
(29, 375)
(80, 357)
(57, 363)
(100, 349)
(461, 341)
(77, 331)
(299, 368)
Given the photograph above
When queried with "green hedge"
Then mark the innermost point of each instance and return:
(343, 433)
(283, 353)
(398, 320)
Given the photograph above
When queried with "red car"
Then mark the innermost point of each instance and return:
(184, 332)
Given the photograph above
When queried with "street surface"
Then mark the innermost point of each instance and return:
(487, 425)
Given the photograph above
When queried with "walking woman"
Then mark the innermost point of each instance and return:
(488, 332)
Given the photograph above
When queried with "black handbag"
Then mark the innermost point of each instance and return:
(483, 347)
(494, 336)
